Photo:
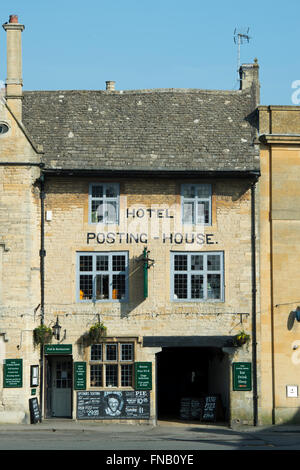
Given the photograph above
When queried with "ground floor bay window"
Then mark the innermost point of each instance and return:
(112, 364)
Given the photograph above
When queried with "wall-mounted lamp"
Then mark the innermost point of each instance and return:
(297, 314)
(56, 329)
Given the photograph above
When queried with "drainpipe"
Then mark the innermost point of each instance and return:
(254, 345)
(42, 274)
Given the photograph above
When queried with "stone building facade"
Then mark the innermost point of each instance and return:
(134, 210)
(279, 229)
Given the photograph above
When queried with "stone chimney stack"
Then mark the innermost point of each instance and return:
(249, 78)
(14, 82)
(110, 85)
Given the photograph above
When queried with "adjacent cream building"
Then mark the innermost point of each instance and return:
(136, 210)
(279, 257)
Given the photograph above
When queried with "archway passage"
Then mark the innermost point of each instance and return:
(194, 372)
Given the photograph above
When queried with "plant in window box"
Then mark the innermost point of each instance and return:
(241, 338)
(42, 334)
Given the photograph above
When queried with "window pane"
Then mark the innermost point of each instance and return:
(180, 262)
(111, 352)
(203, 212)
(204, 190)
(197, 287)
(111, 190)
(196, 262)
(111, 214)
(126, 375)
(180, 286)
(102, 263)
(118, 263)
(102, 286)
(188, 212)
(188, 190)
(97, 190)
(213, 263)
(96, 352)
(97, 211)
(86, 286)
(111, 376)
(118, 286)
(213, 286)
(127, 352)
(86, 263)
(96, 375)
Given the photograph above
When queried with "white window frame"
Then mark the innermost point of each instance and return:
(110, 272)
(196, 200)
(106, 200)
(204, 272)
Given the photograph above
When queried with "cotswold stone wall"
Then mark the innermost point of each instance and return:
(19, 261)
(69, 232)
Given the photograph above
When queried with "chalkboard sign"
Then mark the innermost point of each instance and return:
(211, 408)
(35, 414)
(113, 404)
(190, 408)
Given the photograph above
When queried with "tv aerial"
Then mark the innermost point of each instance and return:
(240, 36)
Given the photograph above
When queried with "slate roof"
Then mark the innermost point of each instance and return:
(167, 129)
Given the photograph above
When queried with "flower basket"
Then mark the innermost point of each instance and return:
(96, 333)
(241, 338)
(42, 334)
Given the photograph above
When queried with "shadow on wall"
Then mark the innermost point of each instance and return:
(136, 294)
(294, 315)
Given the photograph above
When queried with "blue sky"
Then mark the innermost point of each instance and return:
(155, 44)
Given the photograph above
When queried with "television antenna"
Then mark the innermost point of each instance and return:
(240, 36)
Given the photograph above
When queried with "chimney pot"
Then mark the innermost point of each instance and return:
(110, 85)
(13, 19)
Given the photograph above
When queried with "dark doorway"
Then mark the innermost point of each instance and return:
(190, 372)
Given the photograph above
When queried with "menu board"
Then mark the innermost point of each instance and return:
(35, 414)
(79, 375)
(113, 404)
(13, 373)
(242, 376)
(190, 408)
(210, 408)
(143, 375)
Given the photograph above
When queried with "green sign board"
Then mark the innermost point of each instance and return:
(80, 375)
(13, 373)
(58, 349)
(143, 375)
(242, 377)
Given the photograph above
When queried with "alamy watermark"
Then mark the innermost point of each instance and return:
(296, 93)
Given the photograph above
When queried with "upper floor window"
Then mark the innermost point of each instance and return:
(104, 203)
(197, 276)
(196, 204)
(102, 276)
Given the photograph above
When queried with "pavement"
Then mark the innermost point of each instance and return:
(82, 425)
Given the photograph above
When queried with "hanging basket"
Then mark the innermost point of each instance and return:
(42, 335)
(241, 338)
(95, 334)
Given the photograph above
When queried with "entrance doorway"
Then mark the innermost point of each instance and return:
(58, 386)
(193, 372)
